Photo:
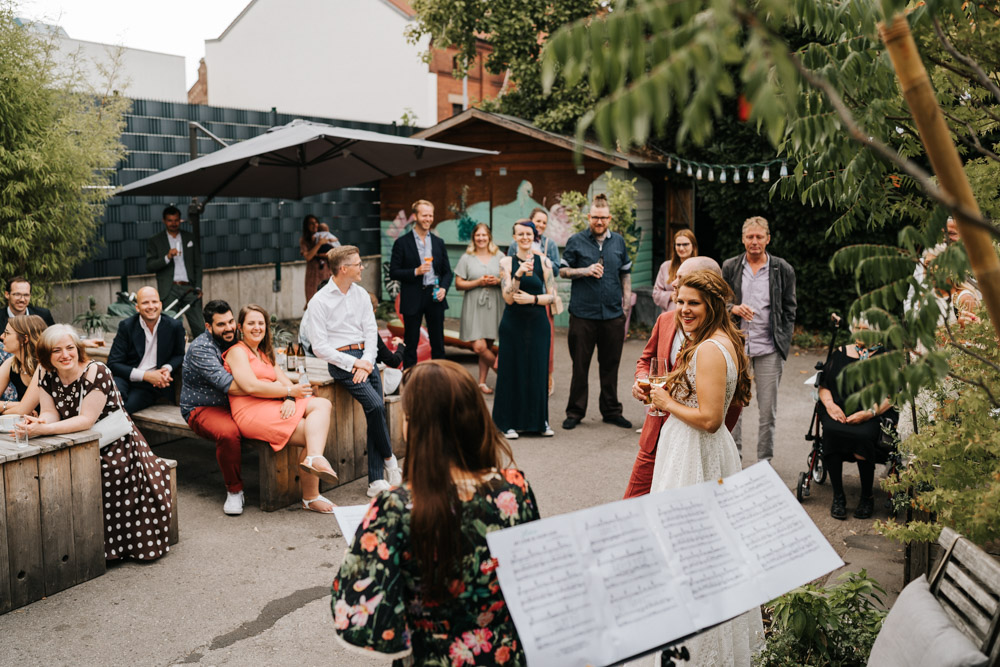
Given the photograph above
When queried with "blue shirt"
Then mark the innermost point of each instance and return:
(425, 248)
(204, 381)
(597, 298)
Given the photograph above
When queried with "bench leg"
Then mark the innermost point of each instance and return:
(279, 477)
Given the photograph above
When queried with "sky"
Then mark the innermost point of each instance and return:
(179, 27)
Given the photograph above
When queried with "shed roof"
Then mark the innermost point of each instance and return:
(635, 158)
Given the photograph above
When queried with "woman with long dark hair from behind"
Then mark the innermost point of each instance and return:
(712, 370)
(418, 578)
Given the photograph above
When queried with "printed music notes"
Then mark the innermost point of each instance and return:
(604, 584)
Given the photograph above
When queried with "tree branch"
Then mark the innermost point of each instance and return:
(977, 383)
(975, 143)
(967, 61)
(961, 348)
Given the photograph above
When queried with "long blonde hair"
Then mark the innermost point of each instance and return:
(27, 328)
(492, 247)
(675, 262)
(716, 293)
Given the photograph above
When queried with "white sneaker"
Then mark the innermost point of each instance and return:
(377, 487)
(548, 432)
(511, 434)
(393, 473)
(234, 504)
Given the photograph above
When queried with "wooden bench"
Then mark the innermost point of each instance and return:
(346, 447)
(52, 516)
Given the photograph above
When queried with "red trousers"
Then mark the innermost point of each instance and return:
(217, 424)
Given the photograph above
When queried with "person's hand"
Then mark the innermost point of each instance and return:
(173, 252)
(744, 311)
(197, 292)
(397, 341)
(836, 414)
(490, 280)
(596, 270)
(524, 298)
(31, 426)
(425, 267)
(287, 409)
(860, 416)
(638, 393)
(366, 366)
(300, 390)
(159, 377)
(439, 295)
(523, 268)
(360, 375)
(661, 399)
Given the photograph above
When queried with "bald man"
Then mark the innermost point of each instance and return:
(664, 343)
(147, 350)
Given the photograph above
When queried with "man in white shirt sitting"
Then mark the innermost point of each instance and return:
(147, 350)
(342, 330)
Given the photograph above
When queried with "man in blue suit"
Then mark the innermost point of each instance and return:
(420, 263)
(147, 350)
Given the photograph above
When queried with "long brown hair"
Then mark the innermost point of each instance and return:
(266, 347)
(27, 328)
(716, 293)
(448, 428)
(674, 260)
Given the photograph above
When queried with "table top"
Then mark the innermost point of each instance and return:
(9, 451)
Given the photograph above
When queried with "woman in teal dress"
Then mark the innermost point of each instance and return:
(528, 286)
(419, 580)
(478, 275)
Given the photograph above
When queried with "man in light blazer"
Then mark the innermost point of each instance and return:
(175, 257)
(147, 354)
(420, 263)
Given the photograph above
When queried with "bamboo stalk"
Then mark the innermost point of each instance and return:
(944, 158)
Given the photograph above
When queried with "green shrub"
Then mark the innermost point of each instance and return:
(833, 626)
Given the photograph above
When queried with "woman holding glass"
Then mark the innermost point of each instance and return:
(418, 581)
(685, 245)
(20, 338)
(478, 275)
(74, 394)
(528, 285)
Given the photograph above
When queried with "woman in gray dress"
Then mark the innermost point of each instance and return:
(478, 275)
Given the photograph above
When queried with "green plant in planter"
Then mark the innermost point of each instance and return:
(825, 626)
(621, 201)
(92, 320)
(281, 336)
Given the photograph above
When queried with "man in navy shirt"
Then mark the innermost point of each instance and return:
(597, 261)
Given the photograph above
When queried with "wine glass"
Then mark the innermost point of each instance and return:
(657, 378)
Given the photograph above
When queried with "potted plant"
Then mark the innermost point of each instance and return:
(281, 338)
(93, 322)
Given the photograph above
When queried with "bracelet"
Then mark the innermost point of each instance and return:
(536, 299)
(288, 392)
(874, 412)
(287, 398)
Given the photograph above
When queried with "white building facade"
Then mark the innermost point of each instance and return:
(333, 58)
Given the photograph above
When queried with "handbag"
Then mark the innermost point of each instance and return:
(113, 427)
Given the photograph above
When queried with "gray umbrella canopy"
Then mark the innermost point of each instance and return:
(297, 160)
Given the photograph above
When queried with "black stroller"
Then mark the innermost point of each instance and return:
(888, 455)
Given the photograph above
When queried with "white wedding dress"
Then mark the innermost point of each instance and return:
(684, 456)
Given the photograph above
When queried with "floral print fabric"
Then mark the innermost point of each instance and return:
(376, 597)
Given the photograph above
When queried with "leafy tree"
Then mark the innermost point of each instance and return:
(831, 103)
(516, 30)
(621, 194)
(59, 144)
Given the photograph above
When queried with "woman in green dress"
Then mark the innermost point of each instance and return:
(419, 579)
(528, 286)
(478, 275)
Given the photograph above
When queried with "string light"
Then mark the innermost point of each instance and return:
(722, 176)
(698, 175)
(678, 166)
(766, 176)
(697, 170)
(736, 176)
(711, 175)
(750, 175)
(783, 172)
(669, 162)
(689, 170)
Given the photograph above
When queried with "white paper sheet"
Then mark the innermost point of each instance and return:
(349, 518)
(607, 583)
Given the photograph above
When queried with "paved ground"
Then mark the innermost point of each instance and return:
(254, 589)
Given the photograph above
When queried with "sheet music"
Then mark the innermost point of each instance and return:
(349, 518)
(600, 585)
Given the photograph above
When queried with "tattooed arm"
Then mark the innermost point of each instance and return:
(508, 284)
(626, 292)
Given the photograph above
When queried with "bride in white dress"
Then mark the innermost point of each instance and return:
(712, 370)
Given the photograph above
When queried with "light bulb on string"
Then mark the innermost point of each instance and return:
(783, 172)
(678, 170)
(689, 171)
(698, 175)
(736, 175)
(711, 175)
(750, 175)
(670, 162)
(766, 176)
(722, 176)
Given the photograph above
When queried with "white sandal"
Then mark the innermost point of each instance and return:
(307, 466)
(307, 504)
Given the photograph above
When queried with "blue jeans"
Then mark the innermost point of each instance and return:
(369, 395)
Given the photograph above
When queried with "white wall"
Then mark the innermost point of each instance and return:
(144, 74)
(334, 58)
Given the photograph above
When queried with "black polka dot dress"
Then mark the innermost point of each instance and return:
(135, 482)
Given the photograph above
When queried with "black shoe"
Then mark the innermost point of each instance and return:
(570, 423)
(618, 421)
(838, 510)
(866, 507)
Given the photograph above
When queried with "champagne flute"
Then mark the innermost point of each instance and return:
(657, 378)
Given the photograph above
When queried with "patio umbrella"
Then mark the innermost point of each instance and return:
(297, 160)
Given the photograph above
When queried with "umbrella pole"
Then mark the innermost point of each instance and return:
(276, 285)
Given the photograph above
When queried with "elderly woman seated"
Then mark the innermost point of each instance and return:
(850, 437)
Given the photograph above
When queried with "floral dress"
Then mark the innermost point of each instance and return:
(376, 601)
(136, 483)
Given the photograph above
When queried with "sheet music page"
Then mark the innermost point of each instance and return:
(603, 584)
(349, 517)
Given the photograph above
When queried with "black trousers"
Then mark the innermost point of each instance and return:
(139, 395)
(609, 337)
(433, 312)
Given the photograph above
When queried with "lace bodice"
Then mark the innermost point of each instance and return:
(692, 400)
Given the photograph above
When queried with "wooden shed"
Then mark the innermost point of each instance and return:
(533, 168)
